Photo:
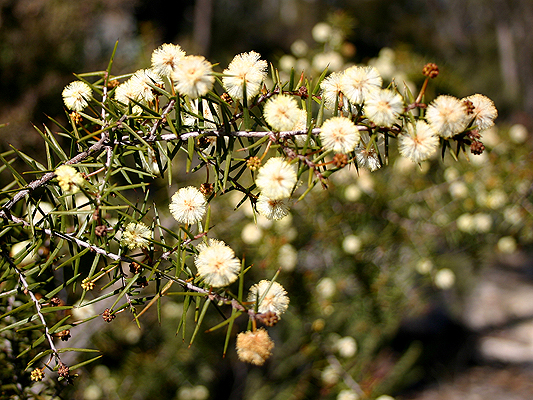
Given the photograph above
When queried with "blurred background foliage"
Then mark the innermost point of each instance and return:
(363, 262)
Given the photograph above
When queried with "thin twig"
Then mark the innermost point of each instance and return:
(35, 302)
(348, 380)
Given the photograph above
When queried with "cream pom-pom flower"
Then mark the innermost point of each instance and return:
(245, 68)
(272, 209)
(357, 82)
(254, 347)
(76, 95)
(276, 178)
(193, 76)
(420, 142)
(339, 134)
(484, 111)
(69, 179)
(282, 112)
(216, 263)
(166, 58)
(136, 235)
(271, 296)
(447, 115)
(188, 205)
(383, 107)
(332, 90)
(140, 84)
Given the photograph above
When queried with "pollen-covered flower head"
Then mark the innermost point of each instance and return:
(332, 90)
(188, 205)
(193, 76)
(272, 209)
(357, 82)
(447, 115)
(166, 58)
(217, 264)
(419, 143)
(282, 112)
(245, 67)
(140, 84)
(484, 111)
(76, 95)
(254, 347)
(339, 134)
(69, 179)
(383, 107)
(136, 235)
(274, 297)
(125, 92)
(276, 178)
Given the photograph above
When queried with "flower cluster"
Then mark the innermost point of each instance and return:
(69, 179)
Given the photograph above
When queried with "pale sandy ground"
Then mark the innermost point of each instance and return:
(499, 312)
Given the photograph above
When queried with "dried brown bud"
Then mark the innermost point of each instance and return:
(253, 163)
(270, 318)
(302, 92)
(477, 147)
(206, 189)
(55, 301)
(135, 268)
(340, 160)
(63, 370)
(469, 106)
(113, 83)
(474, 134)
(100, 230)
(227, 98)
(107, 316)
(64, 335)
(430, 70)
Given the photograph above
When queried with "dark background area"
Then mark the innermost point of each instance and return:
(482, 45)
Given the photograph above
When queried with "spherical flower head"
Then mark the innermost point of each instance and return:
(357, 82)
(125, 92)
(332, 89)
(276, 178)
(140, 84)
(166, 58)
(216, 263)
(383, 107)
(275, 299)
(193, 76)
(282, 112)
(69, 179)
(136, 235)
(420, 142)
(447, 115)
(188, 205)
(484, 111)
(340, 135)
(76, 95)
(254, 347)
(272, 209)
(245, 67)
